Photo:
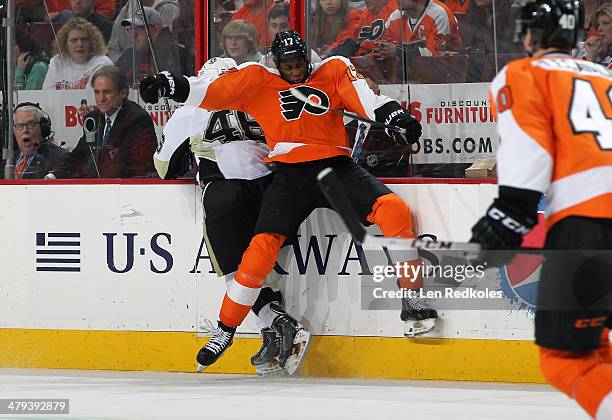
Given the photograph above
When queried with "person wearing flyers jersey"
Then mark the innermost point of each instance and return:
(555, 123)
(303, 140)
(229, 147)
(429, 21)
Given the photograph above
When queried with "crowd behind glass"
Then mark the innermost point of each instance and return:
(103, 45)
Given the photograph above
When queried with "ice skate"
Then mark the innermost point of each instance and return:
(418, 318)
(222, 338)
(266, 359)
(294, 341)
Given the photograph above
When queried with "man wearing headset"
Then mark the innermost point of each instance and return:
(38, 157)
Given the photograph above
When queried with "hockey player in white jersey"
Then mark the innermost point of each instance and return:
(229, 147)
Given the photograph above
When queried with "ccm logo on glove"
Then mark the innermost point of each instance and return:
(507, 221)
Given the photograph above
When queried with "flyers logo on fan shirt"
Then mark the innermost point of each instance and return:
(373, 32)
(292, 107)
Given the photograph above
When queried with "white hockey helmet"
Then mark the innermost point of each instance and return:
(215, 66)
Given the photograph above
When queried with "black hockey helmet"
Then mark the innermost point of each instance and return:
(288, 45)
(553, 23)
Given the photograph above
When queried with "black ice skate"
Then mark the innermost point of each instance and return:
(222, 338)
(294, 340)
(266, 359)
(417, 316)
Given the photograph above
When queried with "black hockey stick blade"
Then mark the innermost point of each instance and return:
(336, 195)
(301, 97)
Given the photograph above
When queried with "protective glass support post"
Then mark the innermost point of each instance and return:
(8, 151)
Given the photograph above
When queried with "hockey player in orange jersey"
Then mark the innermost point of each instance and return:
(303, 140)
(555, 123)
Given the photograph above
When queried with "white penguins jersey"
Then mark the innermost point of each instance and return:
(226, 144)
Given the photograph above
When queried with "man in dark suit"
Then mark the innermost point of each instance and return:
(37, 157)
(119, 139)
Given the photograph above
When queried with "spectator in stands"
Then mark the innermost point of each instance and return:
(598, 48)
(29, 11)
(458, 7)
(81, 52)
(430, 23)
(256, 12)
(278, 21)
(106, 8)
(85, 10)
(239, 40)
(31, 62)
(120, 40)
(123, 140)
(366, 30)
(183, 27)
(481, 40)
(334, 22)
(137, 61)
(37, 156)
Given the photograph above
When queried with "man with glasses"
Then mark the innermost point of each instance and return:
(37, 157)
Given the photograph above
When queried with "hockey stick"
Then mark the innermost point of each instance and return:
(301, 97)
(336, 195)
(362, 130)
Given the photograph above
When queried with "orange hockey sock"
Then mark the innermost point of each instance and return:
(392, 215)
(257, 262)
(394, 218)
(583, 376)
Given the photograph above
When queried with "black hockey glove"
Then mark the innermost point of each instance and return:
(498, 232)
(164, 85)
(402, 119)
(502, 227)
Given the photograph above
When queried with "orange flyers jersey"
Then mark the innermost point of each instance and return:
(555, 123)
(436, 27)
(370, 27)
(295, 132)
(353, 17)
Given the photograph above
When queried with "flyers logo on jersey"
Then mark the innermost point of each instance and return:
(373, 32)
(292, 107)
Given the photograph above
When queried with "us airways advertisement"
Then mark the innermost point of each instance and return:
(132, 257)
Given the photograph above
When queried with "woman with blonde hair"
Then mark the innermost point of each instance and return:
(78, 53)
(239, 40)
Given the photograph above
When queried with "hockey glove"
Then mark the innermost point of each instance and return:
(502, 227)
(500, 231)
(402, 119)
(164, 85)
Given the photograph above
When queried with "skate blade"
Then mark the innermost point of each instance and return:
(200, 368)
(269, 369)
(301, 343)
(415, 328)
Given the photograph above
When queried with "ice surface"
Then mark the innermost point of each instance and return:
(146, 395)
